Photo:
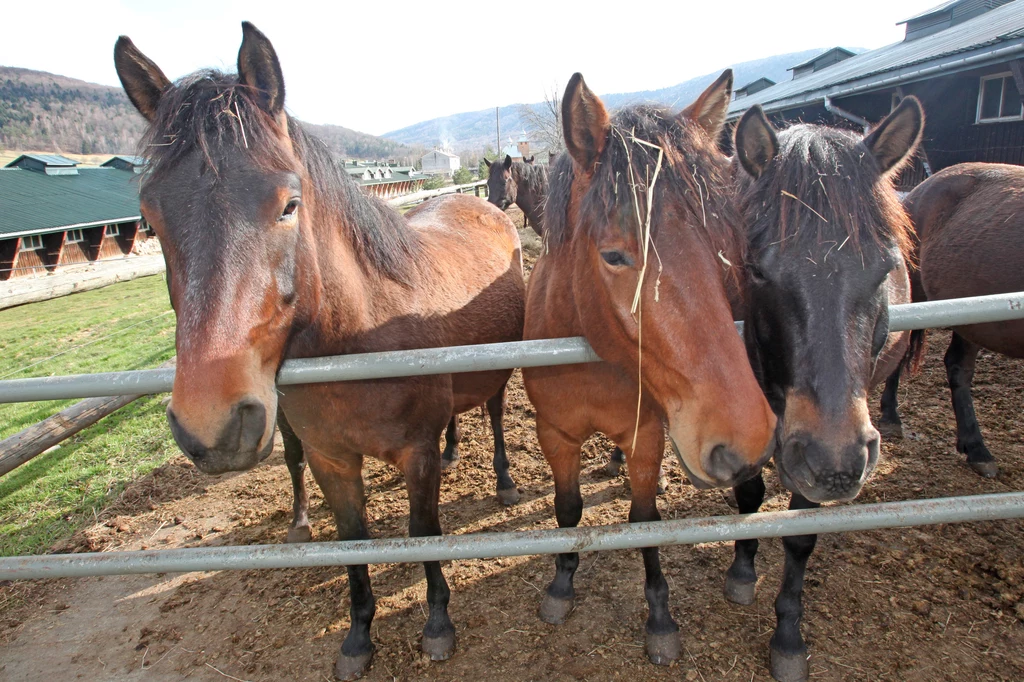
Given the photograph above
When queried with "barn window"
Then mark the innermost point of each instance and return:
(111, 230)
(998, 99)
(31, 242)
(75, 236)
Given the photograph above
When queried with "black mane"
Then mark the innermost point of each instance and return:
(210, 112)
(823, 184)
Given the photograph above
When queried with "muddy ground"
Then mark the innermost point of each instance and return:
(931, 603)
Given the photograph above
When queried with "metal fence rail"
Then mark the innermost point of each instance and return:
(480, 545)
(520, 543)
(961, 311)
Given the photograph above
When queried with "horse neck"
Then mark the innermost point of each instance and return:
(528, 201)
(354, 296)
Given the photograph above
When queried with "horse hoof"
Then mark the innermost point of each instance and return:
(613, 468)
(890, 430)
(730, 498)
(739, 592)
(352, 667)
(299, 534)
(663, 649)
(789, 667)
(447, 464)
(509, 496)
(987, 469)
(554, 610)
(439, 648)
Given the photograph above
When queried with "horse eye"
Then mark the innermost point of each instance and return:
(616, 258)
(755, 273)
(290, 208)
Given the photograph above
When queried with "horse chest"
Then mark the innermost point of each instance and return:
(376, 418)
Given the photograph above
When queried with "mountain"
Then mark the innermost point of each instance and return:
(474, 130)
(46, 112)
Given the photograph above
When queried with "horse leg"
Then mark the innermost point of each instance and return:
(507, 491)
(616, 461)
(741, 578)
(342, 485)
(452, 438)
(788, 650)
(422, 469)
(663, 645)
(960, 360)
(294, 457)
(890, 425)
(563, 457)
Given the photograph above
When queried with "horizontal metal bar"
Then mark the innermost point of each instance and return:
(485, 545)
(538, 353)
(957, 312)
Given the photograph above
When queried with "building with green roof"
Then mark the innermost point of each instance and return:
(56, 212)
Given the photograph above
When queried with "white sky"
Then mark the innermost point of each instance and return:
(379, 65)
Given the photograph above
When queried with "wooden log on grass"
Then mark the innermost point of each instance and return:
(36, 439)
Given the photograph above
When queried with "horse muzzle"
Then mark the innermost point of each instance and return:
(811, 469)
(240, 445)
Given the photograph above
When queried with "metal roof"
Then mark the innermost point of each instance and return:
(127, 158)
(819, 56)
(754, 82)
(35, 203)
(46, 159)
(993, 36)
(934, 10)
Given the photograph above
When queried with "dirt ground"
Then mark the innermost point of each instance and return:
(930, 603)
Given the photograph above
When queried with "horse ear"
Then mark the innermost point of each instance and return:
(529, 160)
(755, 142)
(895, 139)
(143, 81)
(487, 162)
(259, 69)
(508, 162)
(585, 123)
(709, 110)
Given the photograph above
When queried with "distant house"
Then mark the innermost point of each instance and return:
(440, 162)
(517, 150)
(385, 179)
(963, 59)
(56, 212)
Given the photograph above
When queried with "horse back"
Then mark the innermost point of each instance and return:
(473, 269)
(970, 223)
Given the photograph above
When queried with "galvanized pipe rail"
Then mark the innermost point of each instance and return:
(838, 519)
(538, 353)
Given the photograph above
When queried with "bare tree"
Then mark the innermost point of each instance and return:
(545, 119)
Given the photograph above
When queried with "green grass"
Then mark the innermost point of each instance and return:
(52, 496)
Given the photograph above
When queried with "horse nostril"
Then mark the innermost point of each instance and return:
(726, 466)
(252, 423)
(189, 445)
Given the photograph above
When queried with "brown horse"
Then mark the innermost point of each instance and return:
(826, 258)
(521, 183)
(273, 252)
(640, 227)
(969, 220)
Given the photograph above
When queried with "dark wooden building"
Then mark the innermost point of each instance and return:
(963, 59)
(57, 213)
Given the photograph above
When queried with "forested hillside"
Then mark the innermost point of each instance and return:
(44, 112)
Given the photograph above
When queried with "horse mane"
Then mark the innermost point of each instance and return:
(209, 111)
(826, 178)
(534, 178)
(693, 174)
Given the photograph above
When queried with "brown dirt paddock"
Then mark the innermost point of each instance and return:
(930, 603)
